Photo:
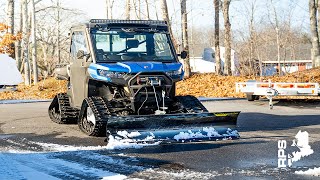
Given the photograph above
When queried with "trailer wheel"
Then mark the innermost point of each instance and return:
(251, 97)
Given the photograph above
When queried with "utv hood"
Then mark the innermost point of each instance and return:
(136, 67)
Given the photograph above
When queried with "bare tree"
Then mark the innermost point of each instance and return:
(315, 52)
(47, 37)
(137, 8)
(109, 8)
(185, 43)
(216, 37)
(34, 43)
(147, 9)
(18, 49)
(10, 21)
(128, 7)
(276, 26)
(58, 30)
(251, 11)
(227, 37)
(10, 16)
(165, 17)
(25, 43)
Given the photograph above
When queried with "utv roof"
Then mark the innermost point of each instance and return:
(105, 23)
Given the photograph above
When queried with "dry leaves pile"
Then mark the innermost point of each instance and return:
(204, 85)
(45, 89)
(211, 85)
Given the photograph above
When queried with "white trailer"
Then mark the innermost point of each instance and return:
(254, 89)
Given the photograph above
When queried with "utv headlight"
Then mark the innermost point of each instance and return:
(174, 73)
(109, 74)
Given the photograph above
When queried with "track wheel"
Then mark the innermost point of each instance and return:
(54, 111)
(89, 119)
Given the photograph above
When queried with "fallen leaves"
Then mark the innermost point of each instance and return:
(211, 85)
(45, 89)
(199, 85)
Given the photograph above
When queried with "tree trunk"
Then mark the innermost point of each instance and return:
(107, 8)
(314, 33)
(25, 44)
(251, 31)
(18, 52)
(185, 43)
(216, 37)
(58, 32)
(147, 9)
(128, 9)
(34, 44)
(10, 16)
(111, 8)
(227, 38)
(165, 17)
(276, 27)
(139, 8)
(10, 21)
(278, 50)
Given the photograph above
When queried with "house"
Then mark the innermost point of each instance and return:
(288, 66)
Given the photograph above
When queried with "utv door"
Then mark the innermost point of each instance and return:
(78, 68)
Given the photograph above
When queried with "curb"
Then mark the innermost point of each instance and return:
(22, 101)
(204, 99)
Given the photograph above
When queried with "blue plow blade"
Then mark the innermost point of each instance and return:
(175, 128)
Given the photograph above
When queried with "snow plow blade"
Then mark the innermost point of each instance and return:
(175, 127)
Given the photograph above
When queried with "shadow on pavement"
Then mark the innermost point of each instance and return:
(270, 122)
(299, 103)
(184, 147)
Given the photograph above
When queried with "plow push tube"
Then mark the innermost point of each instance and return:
(175, 127)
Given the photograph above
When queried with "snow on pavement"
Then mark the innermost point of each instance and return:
(113, 144)
(64, 161)
(311, 172)
(46, 166)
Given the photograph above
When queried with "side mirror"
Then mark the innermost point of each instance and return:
(184, 54)
(80, 54)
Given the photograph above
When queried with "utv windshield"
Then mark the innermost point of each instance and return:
(115, 46)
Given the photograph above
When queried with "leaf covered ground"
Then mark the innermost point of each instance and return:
(199, 85)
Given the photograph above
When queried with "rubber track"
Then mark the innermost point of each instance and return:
(101, 112)
(191, 104)
(67, 113)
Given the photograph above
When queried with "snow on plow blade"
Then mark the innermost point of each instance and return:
(175, 127)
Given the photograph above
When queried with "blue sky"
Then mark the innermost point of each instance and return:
(200, 11)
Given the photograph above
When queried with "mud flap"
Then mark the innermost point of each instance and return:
(175, 128)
